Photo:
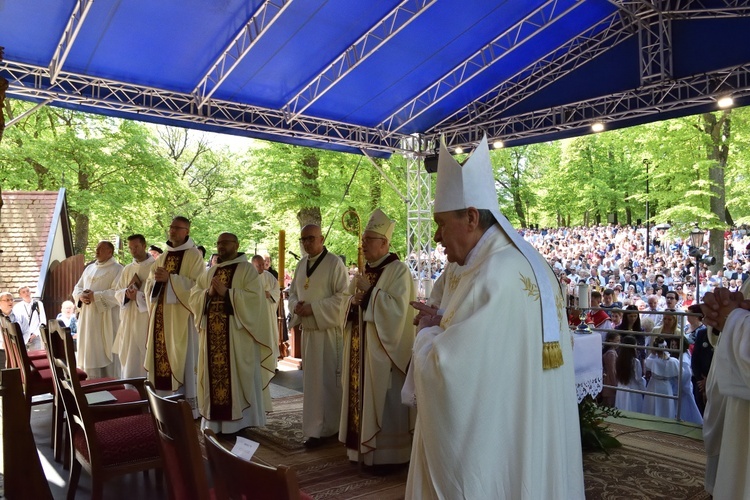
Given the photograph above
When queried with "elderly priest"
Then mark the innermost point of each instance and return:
(493, 365)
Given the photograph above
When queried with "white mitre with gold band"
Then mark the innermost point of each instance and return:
(473, 185)
(381, 224)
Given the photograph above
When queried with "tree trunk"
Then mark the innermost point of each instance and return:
(376, 189)
(718, 130)
(81, 218)
(310, 211)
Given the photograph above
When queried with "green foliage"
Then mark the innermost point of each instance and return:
(595, 435)
(126, 177)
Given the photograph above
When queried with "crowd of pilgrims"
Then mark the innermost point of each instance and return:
(646, 287)
(613, 260)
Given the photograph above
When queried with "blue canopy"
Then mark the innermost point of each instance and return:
(379, 76)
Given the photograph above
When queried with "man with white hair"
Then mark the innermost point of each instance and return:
(501, 319)
(382, 292)
(33, 312)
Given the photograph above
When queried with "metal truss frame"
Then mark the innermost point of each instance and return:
(659, 98)
(70, 33)
(418, 210)
(599, 38)
(232, 55)
(31, 82)
(503, 45)
(384, 30)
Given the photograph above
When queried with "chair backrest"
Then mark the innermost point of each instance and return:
(236, 478)
(68, 384)
(180, 449)
(10, 356)
(22, 360)
(22, 471)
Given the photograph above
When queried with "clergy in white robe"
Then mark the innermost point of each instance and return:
(235, 355)
(317, 302)
(502, 327)
(100, 315)
(378, 425)
(273, 294)
(130, 342)
(725, 420)
(172, 345)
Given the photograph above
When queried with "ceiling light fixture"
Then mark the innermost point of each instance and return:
(597, 127)
(459, 150)
(498, 144)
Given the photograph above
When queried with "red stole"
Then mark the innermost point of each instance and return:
(163, 375)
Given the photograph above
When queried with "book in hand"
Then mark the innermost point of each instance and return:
(99, 397)
(135, 282)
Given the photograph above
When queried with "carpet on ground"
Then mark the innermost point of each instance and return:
(649, 465)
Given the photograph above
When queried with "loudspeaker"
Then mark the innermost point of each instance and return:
(431, 163)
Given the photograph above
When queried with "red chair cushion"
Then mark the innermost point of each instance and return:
(122, 440)
(41, 382)
(40, 364)
(37, 354)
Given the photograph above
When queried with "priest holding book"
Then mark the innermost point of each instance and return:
(130, 343)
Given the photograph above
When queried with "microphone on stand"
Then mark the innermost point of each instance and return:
(294, 255)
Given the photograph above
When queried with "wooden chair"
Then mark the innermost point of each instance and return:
(107, 440)
(36, 376)
(238, 479)
(22, 471)
(55, 348)
(180, 449)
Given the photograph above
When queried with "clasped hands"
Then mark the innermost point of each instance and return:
(426, 315)
(131, 292)
(303, 309)
(87, 297)
(718, 304)
(217, 288)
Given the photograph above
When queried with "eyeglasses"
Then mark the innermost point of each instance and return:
(367, 239)
(178, 227)
(308, 239)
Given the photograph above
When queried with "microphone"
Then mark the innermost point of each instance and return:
(294, 255)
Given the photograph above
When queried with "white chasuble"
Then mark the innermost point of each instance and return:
(387, 425)
(491, 422)
(235, 357)
(172, 338)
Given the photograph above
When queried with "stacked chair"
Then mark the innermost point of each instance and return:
(107, 440)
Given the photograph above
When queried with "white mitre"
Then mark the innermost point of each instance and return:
(381, 224)
(473, 185)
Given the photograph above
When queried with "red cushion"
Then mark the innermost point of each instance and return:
(37, 354)
(40, 363)
(40, 382)
(122, 440)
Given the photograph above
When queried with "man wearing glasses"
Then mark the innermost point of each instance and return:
(316, 299)
(7, 316)
(171, 352)
(383, 292)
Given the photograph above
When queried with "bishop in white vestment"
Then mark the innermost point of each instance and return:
(494, 386)
(378, 425)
